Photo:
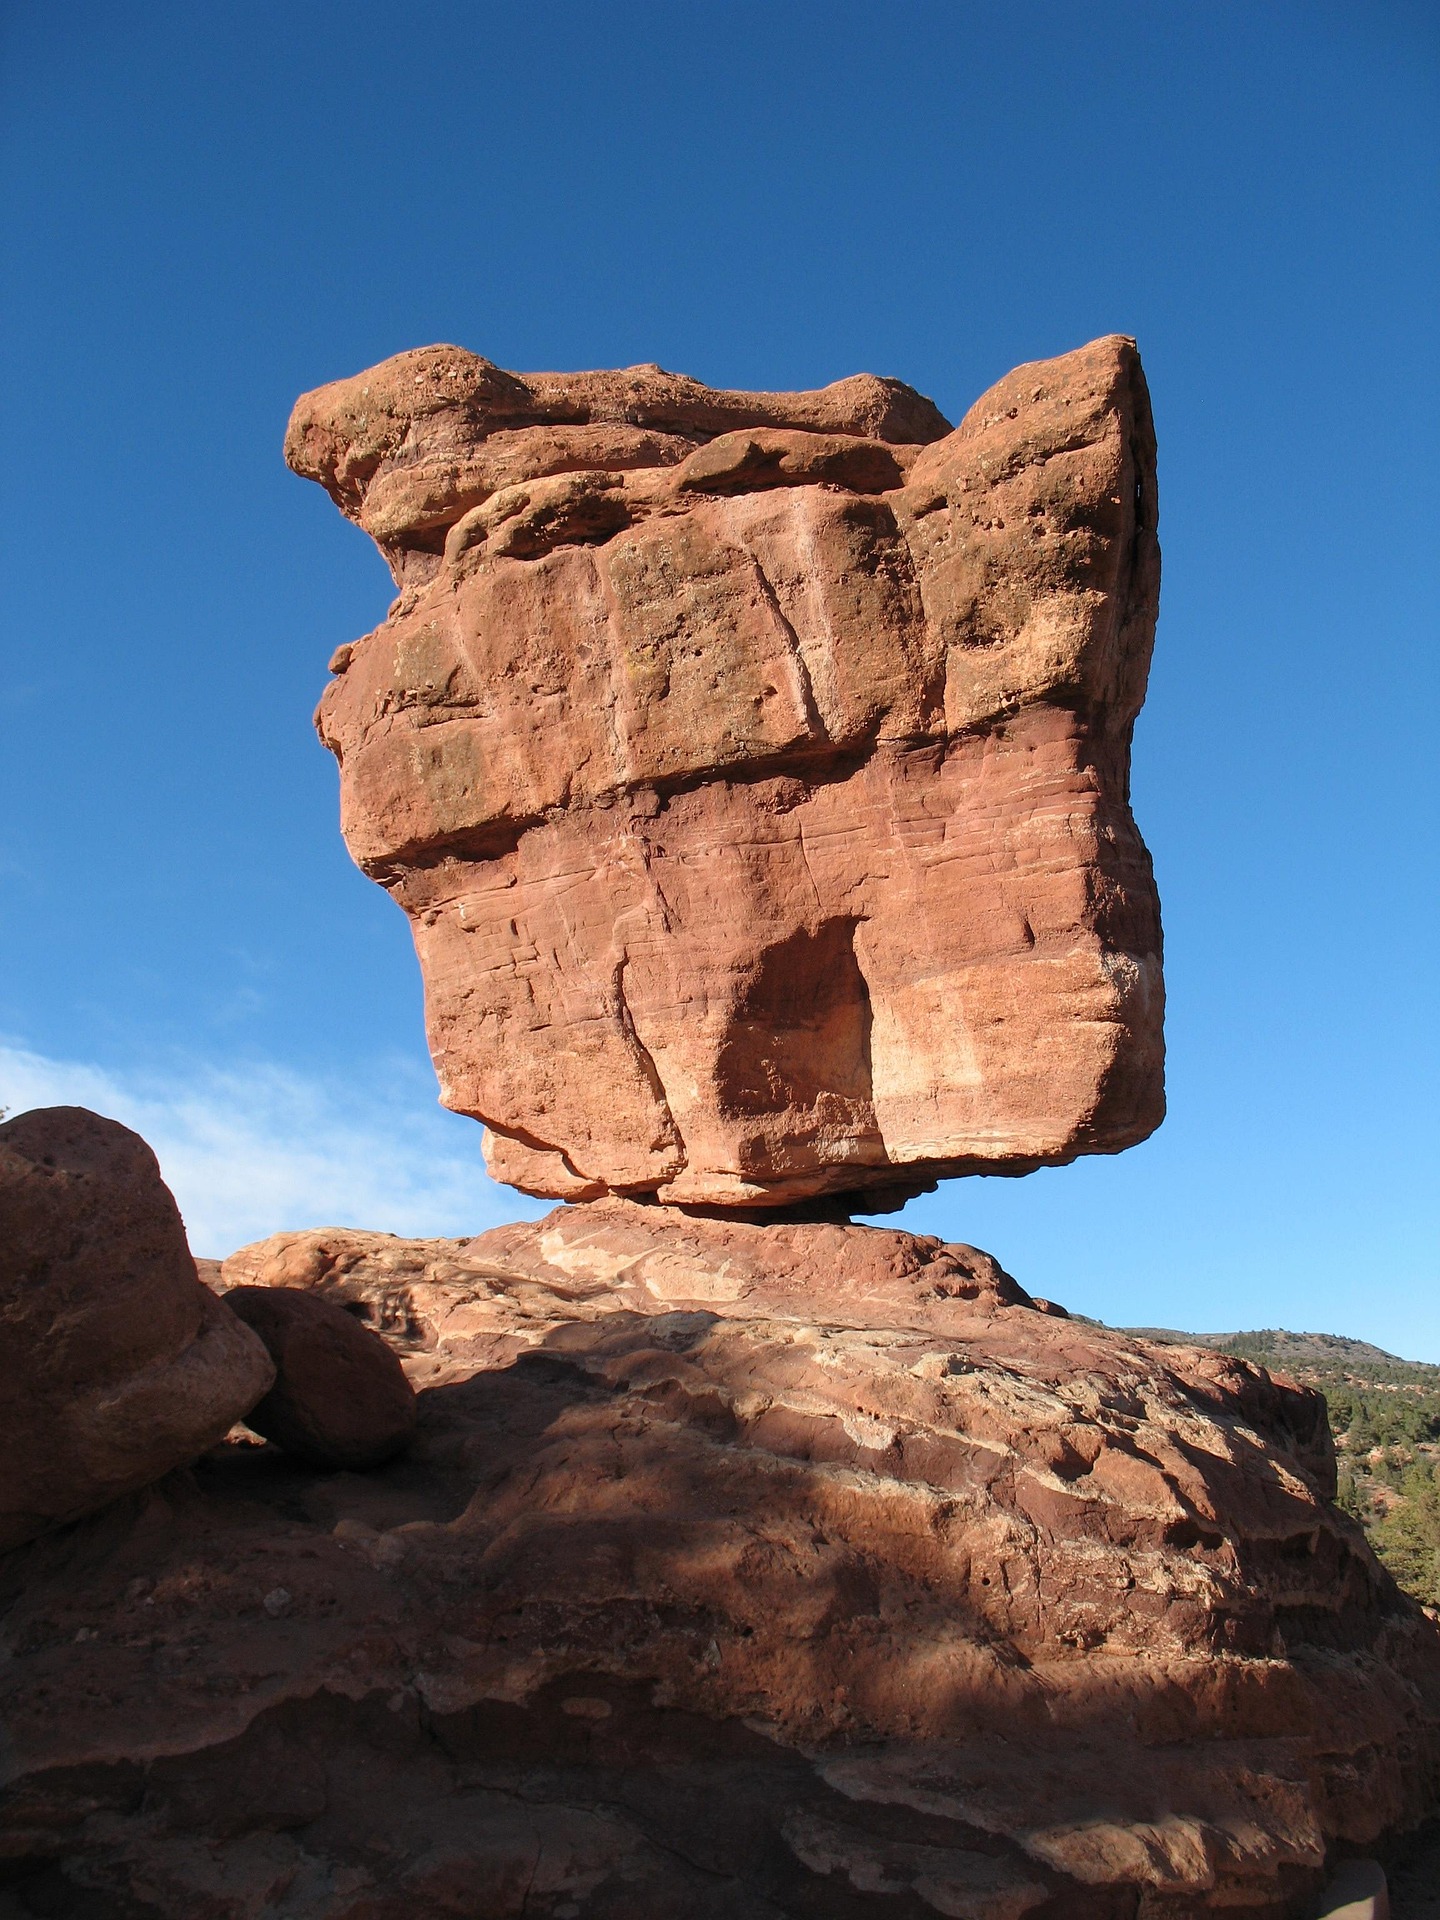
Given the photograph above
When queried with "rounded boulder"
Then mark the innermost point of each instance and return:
(340, 1398)
(117, 1363)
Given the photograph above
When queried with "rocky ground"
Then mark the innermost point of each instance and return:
(689, 1600)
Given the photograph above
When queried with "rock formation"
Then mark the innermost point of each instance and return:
(753, 770)
(735, 1570)
(340, 1398)
(753, 767)
(115, 1363)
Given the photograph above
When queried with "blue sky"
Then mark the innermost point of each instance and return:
(207, 210)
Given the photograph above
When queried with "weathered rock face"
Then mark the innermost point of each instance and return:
(340, 1398)
(115, 1363)
(690, 1600)
(753, 767)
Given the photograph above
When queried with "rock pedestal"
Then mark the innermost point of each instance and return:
(800, 1570)
(753, 768)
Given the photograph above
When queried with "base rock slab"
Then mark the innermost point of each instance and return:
(692, 1599)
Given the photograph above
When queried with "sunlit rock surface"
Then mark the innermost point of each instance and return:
(116, 1364)
(753, 768)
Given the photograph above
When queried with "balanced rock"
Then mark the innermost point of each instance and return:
(753, 768)
(739, 1571)
(117, 1363)
(340, 1397)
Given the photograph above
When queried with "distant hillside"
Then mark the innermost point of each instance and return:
(1325, 1355)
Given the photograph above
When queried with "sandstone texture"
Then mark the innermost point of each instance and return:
(753, 768)
(798, 1570)
(340, 1398)
(116, 1364)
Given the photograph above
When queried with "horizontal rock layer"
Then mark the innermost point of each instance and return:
(754, 768)
(690, 1600)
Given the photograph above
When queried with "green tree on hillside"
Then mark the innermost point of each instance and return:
(1408, 1538)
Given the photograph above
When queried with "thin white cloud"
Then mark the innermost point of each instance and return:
(253, 1149)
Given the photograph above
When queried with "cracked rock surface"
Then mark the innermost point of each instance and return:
(692, 1599)
(753, 768)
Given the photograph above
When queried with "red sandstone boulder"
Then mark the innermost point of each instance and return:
(340, 1397)
(753, 767)
(117, 1364)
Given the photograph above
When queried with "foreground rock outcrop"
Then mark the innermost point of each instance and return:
(799, 1570)
(115, 1363)
(753, 768)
